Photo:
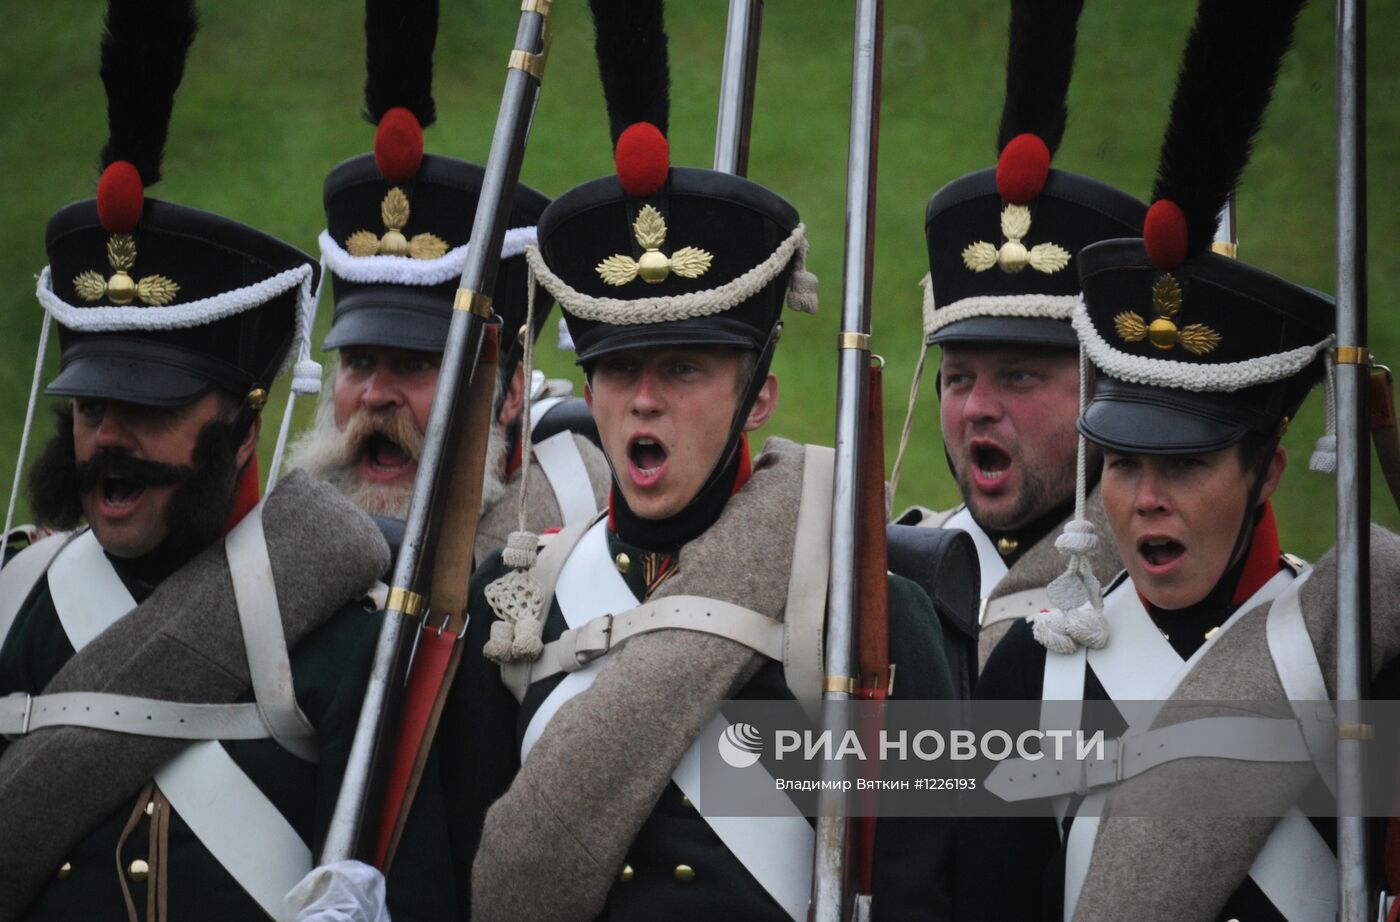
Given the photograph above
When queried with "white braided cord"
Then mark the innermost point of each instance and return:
(111, 319)
(405, 270)
(1045, 307)
(24, 438)
(1224, 377)
(621, 311)
(306, 374)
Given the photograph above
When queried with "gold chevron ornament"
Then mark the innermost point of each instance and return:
(121, 288)
(654, 266)
(1013, 256)
(394, 211)
(1162, 332)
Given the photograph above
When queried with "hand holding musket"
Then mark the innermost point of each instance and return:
(433, 567)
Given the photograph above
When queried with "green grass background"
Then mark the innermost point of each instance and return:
(272, 96)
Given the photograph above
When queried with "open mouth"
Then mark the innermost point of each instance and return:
(990, 464)
(385, 454)
(121, 492)
(647, 455)
(1160, 552)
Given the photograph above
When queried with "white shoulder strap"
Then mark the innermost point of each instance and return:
(22, 574)
(992, 565)
(269, 667)
(804, 619)
(563, 467)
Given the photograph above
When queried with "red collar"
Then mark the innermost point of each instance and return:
(1262, 562)
(246, 496)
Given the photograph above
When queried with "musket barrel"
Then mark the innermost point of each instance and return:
(736, 86)
(349, 834)
(1353, 458)
(828, 882)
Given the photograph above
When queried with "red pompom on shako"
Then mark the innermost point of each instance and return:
(1164, 234)
(643, 159)
(398, 145)
(120, 197)
(1022, 168)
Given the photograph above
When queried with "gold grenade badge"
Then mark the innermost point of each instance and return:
(654, 266)
(1013, 256)
(1162, 332)
(121, 288)
(394, 212)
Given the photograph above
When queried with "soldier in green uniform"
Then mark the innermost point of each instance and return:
(398, 227)
(573, 721)
(1002, 250)
(178, 704)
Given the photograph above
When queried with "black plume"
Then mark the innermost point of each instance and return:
(630, 38)
(399, 40)
(1039, 62)
(1227, 76)
(143, 58)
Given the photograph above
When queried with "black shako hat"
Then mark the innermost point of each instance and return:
(1195, 349)
(405, 301)
(1002, 242)
(657, 256)
(399, 221)
(623, 257)
(157, 303)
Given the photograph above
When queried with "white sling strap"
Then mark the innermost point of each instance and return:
(776, 850)
(231, 817)
(804, 618)
(563, 467)
(1295, 659)
(991, 563)
(263, 639)
(22, 574)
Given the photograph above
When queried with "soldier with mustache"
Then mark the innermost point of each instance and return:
(180, 681)
(398, 222)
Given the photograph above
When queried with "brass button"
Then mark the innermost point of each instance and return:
(65, 870)
(150, 807)
(685, 873)
(1007, 545)
(685, 801)
(138, 870)
(626, 874)
(624, 563)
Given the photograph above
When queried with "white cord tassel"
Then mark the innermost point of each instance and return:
(28, 427)
(566, 339)
(517, 598)
(1076, 592)
(802, 286)
(1324, 456)
(306, 373)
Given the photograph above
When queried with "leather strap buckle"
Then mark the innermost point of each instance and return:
(593, 640)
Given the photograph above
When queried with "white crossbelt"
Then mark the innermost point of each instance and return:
(1295, 869)
(563, 467)
(776, 850)
(231, 817)
(992, 564)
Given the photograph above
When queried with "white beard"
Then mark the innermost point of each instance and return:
(325, 451)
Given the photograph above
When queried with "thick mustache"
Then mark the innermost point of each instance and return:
(365, 425)
(108, 463)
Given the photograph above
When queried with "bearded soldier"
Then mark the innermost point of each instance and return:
(671, 281)
(184, 675)
(1200, 361)
(1001, 285)
(398, 223)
